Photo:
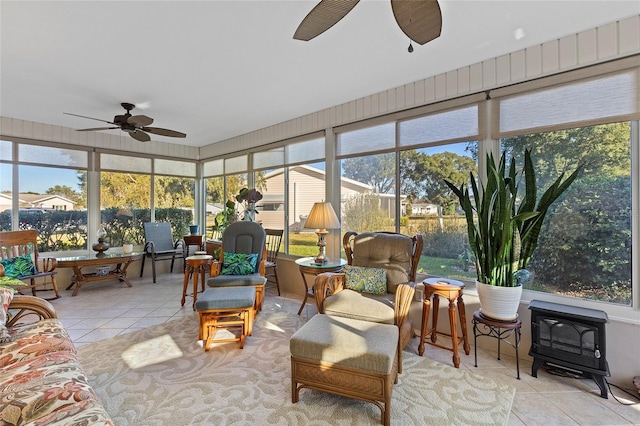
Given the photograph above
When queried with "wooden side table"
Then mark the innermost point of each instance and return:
(196, 266)
(307, 265)
(452, 291)
(193, 240)
(500, 330)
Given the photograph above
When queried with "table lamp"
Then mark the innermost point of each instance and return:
(322, 217)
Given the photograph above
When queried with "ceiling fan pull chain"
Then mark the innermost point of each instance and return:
(410, 49)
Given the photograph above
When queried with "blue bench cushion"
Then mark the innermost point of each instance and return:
(236, 280)
(226, 298)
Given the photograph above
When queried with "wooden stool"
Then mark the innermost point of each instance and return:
(197, 266)
(452, 290)
(224, 308)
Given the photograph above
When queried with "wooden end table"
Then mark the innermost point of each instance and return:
(307, 265)
(196, 266)
(80, 278)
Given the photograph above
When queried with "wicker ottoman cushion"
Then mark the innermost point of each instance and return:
(226, 298)
(344, 341)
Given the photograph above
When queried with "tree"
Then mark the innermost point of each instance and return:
(125, 189)
(375, 170)
(423, 176)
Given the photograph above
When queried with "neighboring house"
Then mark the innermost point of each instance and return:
(46, 201)
(419, 209)
(307, 186)
(5, 201)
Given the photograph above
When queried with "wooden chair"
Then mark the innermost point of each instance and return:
(274, 240)
(159, 245)
(398, 255)
(18, 243)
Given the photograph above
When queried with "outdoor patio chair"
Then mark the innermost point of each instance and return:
(160, 245)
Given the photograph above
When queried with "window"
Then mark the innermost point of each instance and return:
(431, 209)
(175, 194)
(52, 197)
(125, 198)
(6, 185)
(291, 178)
(367, 193)
(584, 248)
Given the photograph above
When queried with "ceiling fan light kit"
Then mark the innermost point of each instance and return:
(420, 20)
(135, 125)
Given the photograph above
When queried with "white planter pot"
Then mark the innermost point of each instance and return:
(500, 303)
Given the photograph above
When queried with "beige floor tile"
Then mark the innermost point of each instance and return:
(585, 409)
(107, 309)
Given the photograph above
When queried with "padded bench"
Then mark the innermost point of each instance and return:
(347, 357)
(226, 307)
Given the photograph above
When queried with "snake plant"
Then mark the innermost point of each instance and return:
(503, 230)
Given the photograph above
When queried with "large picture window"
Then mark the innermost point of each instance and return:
(584, 248)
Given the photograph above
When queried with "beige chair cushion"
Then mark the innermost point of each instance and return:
(361, 306)
(347, 342)
(389, 251)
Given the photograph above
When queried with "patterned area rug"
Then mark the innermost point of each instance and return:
(162, 376)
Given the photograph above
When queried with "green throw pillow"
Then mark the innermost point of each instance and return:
(365, 280)
(239, 263)
(16, 267)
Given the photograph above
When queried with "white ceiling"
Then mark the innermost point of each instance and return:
(218, 69)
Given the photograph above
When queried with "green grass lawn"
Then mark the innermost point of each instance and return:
(306, 244)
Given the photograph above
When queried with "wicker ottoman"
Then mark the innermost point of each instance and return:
(226, 307)
(343, 356)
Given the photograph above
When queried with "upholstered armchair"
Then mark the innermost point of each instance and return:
(377, 285)
(242, 259)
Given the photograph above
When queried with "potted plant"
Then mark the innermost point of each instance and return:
(503, 229)
(226, 216)
(248, 198)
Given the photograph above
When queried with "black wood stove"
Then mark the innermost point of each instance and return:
(571, 338)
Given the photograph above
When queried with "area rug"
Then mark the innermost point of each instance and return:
(161, 375)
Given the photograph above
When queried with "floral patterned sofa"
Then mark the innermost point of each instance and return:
(41, 380)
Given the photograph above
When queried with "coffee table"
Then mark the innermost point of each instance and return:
(115, 267)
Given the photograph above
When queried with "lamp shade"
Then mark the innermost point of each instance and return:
(322, 216)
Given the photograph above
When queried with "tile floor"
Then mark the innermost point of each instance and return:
(105, 309)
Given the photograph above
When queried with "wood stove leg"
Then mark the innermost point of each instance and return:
(601, 384)
(537, 363)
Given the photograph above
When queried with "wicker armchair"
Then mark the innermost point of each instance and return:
(398, 255)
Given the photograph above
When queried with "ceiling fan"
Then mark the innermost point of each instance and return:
(420, 20)
(135, 125)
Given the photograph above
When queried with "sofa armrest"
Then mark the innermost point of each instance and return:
(325, 285)
(23, 306)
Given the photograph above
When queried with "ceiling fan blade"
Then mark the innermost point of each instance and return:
(325, 15)
(90, 118)
(421, 20)
(164, 132)
(140, 120)
(96, 128)
(140, 136)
